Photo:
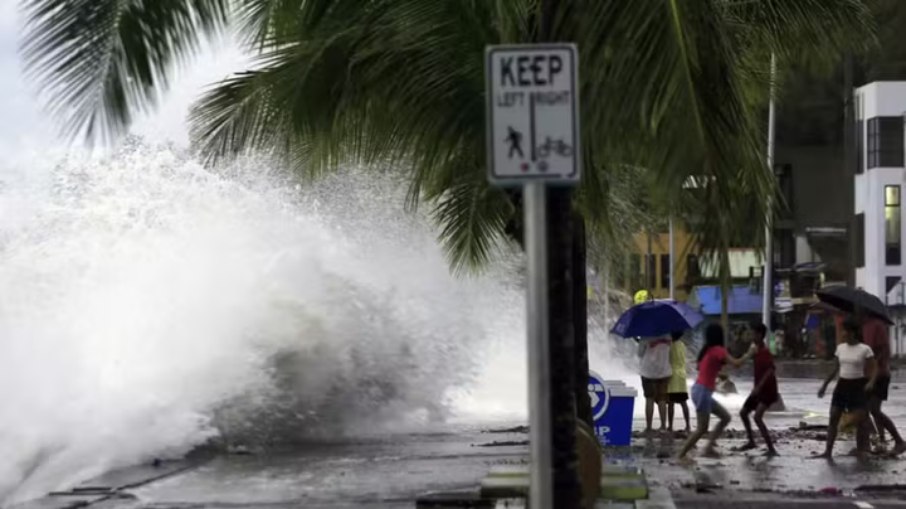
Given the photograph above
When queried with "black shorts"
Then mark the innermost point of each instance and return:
(655, 388)
(882, 387)
(754, 400)
(678, 397)
(850, 394)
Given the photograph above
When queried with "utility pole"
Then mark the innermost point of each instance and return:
(672, 259)
(849, 166)
(767, 290)
(649, 276)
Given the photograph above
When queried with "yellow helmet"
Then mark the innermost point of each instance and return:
(641, 296)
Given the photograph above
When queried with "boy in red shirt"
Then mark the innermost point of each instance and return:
(764, 393)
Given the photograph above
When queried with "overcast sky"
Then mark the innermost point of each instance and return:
(23, 126)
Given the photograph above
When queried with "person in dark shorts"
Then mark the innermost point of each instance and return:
(853, 389)
(654, 368)
(875, 334)
(764, 393)
(677, 393)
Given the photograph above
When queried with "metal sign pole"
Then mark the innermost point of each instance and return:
(541, 493)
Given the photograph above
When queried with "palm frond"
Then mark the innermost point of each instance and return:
(679, 106)
(666, 89)
(471, 215)
(101, 61)
(809, 33)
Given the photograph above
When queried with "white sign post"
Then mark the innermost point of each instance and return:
(533, 141)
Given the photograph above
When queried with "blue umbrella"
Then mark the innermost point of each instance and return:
(656, 318)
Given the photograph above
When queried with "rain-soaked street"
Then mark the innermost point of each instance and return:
(394, 471)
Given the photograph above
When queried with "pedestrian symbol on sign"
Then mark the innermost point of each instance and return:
(514, 138)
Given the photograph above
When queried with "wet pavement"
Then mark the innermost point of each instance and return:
(393, 471)
(791, 480)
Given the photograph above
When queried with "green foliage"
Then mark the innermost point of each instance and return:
(669, 90)
(100, 61)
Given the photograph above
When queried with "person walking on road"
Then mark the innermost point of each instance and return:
(764, 393)
(677, 392)
(853, 389)
(711, 358)
(654, 367)
(876, 336)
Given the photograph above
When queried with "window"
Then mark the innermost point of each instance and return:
(665, 271)
(885, 142)
(860, 240)
(890, 282)
(692, 269)
(892, 222)
(635, 272)
(651, 271)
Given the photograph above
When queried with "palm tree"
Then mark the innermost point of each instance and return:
(671, 88)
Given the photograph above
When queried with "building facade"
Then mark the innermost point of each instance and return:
(880, 176)
(648, 266)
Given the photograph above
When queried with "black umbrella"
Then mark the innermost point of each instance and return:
(853, 300)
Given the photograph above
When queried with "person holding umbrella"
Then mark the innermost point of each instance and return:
(875, 335)
(655, 370)
(874, 328)
(652, 323)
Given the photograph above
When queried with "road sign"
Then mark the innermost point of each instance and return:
(533, 114)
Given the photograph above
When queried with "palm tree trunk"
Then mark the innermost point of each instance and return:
(567, 492)
(561, 317)
(580, 319)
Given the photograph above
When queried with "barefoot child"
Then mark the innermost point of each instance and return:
(875, 335)
(711, 358)
(853, 389)
(764, 393)
(677, 394)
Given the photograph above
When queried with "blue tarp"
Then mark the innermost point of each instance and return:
(741, 300)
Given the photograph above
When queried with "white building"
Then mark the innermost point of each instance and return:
(880, 110)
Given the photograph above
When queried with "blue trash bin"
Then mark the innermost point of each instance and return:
(612, 409)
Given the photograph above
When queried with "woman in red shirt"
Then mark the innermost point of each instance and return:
(711, 358)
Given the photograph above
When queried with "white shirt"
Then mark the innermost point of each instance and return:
(655, 362)
(852, 359)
